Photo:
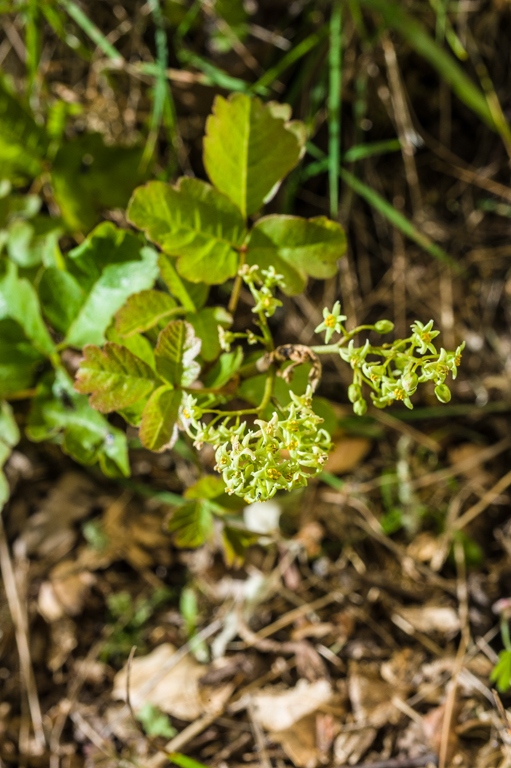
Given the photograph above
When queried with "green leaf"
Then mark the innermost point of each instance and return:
(143, 311)
(194, 222)
(113, 376)
(110, 265)
(158, 429)
(501, 673)
(23, 143)
(249, 147)
(9, 436)
(19, 301)
(60, 414)
(61, 298)
(175, 354)
(205, 324)
(155, 722)
(208, 487)
(18, 358)
(192, 296)
(192, 524)
(235, 543)
(89, 177)
(297, 247)
(224, 369)
(137, 344)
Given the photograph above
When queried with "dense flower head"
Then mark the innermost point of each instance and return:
(279, 454)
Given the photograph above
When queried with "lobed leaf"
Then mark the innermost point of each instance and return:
(193, 222)
(158, 429)
(175, 354)
(249, 147)
(113, 376)
(143, 311)
(109, 266)
(297, 248)
(60, 414)
(19, 301)
(191, 524)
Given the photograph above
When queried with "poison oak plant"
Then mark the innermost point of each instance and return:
(156, 352)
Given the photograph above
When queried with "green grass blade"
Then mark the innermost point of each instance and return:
(91, 30)
(293, 55)
(217, 76)
(448, 68)
(334, 107)
(184, 761)
(162, 97)
(361, 151)
(396, 218)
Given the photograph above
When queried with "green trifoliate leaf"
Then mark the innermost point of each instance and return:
(249, 147)
(60, 414)
(18, 358)
(192, 296)
(296, 248)
(192, 524)
(194, 222)
(208, 487)
(143, 311)
(19, 301)
(158, 429)
(61, 297)
(137, 344)
(205, 324)
(175, 354)
(113, 376)
(109, 266)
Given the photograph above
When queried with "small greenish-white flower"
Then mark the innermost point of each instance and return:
(454, 359)
(355, 357)
(190, 411)
(272, 278)
(225, 338)
(423, 336)
(437, 369)
(266, 302)
(394, 390)
(251, 338)
(332, 322)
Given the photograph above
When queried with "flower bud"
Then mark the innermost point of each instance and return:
(360, 407)
(354, 393)
(384, 326)
(443, 393)
(410, 381)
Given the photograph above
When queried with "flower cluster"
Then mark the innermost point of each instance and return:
(260, 284)
(396, 372)
(283, 453)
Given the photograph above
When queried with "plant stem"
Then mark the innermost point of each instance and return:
(233, 302)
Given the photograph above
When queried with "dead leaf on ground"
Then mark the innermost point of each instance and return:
(371, 697)
(347, 454)
(277, 710)
(433, 724)
(177, 692)
(50, 532)
(351, 747)
(431, 618)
